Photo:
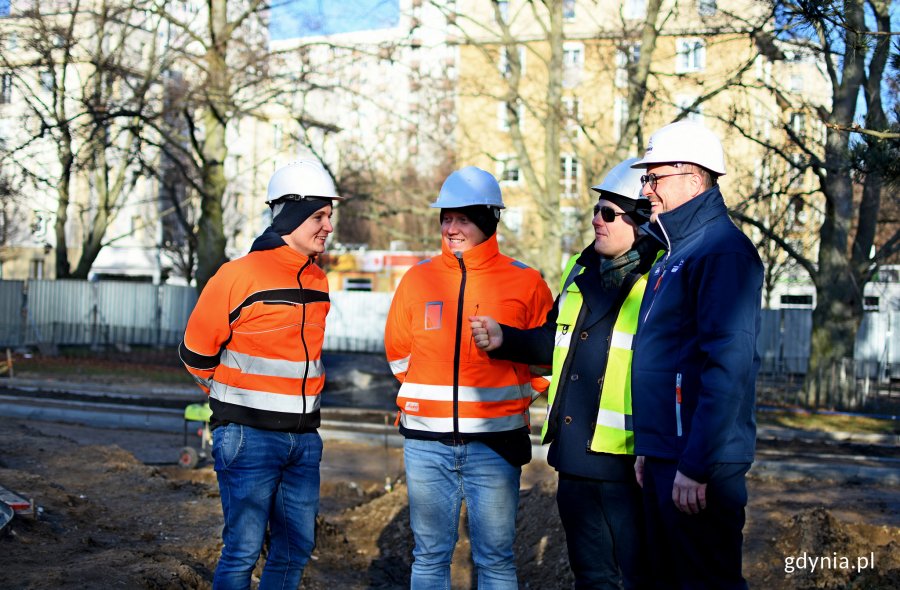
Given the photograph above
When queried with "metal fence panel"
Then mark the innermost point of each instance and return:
(176, 304)
(127, 312)
(12, 325)
(356, 321)
(796, 330)
(768, 344)
(61, 312)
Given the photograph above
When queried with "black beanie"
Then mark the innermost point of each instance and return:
(291, 216)
(294, 213)
(484, 217)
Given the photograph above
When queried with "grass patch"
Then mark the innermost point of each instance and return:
(827, 422)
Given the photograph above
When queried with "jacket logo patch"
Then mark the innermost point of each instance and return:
(433, 312)
(678, 266)
(411, 407)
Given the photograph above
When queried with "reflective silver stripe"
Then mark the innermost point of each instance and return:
(466, 425)
(613, 420)
(621, 340)
(399, 365)
(200, 381)
(263, 400)
(563, 340)
(257, 365)
(466, 394)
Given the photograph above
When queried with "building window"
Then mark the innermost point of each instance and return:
(508, 169)
(505, 112)
(6, 89)
(620, 116)
(796, 301)
(47, 80)
(277, 136)
(357, 284)
(685, 104)
(512, 219)
(707, 7)
(36, 269)
(626, 57)
(634, 9)
(573, 63)
(796, 83)
(690, 55)
(572, 112)
(505, 67)
(798, 124)
(568, 9)
(568, 178)
(503, 6)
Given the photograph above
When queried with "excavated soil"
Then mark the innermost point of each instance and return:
(107, 520)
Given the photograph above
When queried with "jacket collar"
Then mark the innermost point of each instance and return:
(287, 256)
(693, 215)
(480, 256)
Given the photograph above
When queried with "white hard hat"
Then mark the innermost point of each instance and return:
(469, 186)
(685, 141)
(301, 179)
(622, 186)
(622, 180)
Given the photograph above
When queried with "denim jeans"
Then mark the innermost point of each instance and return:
(439, 477)
(266, 478)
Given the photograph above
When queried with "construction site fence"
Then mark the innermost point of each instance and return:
(115, 313)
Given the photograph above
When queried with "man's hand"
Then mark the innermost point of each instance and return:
(486, 332)
(639, 470)
(689, 495)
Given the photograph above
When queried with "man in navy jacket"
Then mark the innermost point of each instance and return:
(695, 365)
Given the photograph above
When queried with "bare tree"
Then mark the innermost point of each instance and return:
(85, 72)
(852, 40)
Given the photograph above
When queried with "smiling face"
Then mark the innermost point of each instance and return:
(613, 238)
(309, 237)
(676, 186)
(458, 231)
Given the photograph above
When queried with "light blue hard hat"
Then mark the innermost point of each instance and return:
(469, 186)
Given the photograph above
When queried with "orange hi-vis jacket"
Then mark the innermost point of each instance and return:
(254, 341)
(450, 387)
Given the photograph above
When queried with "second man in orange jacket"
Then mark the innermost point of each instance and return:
(464, 415)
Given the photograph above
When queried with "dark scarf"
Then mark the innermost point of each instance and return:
(613, 272)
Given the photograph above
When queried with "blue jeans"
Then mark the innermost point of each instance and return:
(266, 478)
(439, 477)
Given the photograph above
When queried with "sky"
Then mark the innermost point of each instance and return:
(305, 18)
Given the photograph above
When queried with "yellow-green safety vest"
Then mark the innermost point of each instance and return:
(613, 431)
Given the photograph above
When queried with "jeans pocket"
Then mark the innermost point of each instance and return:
(228, 441)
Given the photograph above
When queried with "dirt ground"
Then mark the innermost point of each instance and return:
(111, 518)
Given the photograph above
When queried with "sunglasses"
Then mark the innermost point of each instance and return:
(607, 214)
(653, 179)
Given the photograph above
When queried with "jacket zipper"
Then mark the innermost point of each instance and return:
(663, 271)
(458, 344)
(678, 402)
(303, 341)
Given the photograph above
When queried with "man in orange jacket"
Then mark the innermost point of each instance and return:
(254, 344)
(464, 415)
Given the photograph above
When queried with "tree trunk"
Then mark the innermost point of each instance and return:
(210, 231)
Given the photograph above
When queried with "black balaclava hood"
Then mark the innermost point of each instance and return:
(291, 216)
(481, 215)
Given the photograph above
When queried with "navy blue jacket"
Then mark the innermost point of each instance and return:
(699, 323)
